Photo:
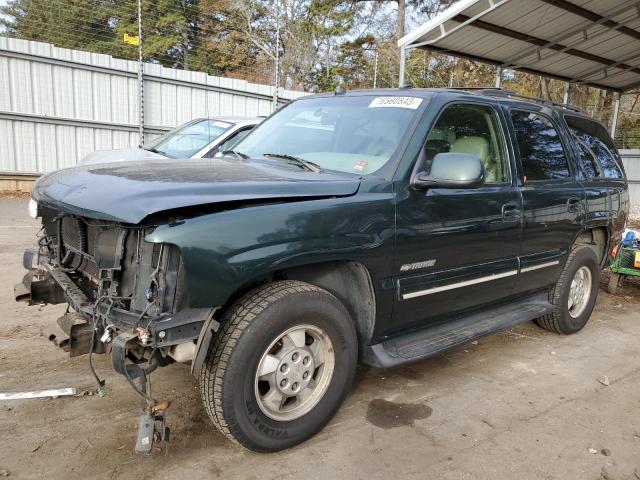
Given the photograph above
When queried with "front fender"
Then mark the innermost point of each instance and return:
(224, 251)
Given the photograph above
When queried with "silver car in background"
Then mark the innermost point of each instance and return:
(199, 138)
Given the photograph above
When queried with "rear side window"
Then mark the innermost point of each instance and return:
(588, 160)
(600, 150)
(541, 151)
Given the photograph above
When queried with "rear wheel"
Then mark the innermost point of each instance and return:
(280, 366)
(574, 294)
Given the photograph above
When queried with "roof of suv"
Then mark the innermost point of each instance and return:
(493, 93)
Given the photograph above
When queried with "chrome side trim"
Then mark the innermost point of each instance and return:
(451, 286)
(539, 266)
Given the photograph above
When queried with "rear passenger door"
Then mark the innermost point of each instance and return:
(553, 199)
(605, 183)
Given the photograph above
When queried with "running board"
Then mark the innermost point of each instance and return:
(452, 333)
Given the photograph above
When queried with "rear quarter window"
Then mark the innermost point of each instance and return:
(595, 137)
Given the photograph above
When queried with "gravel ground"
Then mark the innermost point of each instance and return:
(521, 404)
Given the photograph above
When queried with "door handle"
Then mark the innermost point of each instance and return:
(574, 204)
(511, 213)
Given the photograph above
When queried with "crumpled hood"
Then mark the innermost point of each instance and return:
(120, 155)
(130, 191)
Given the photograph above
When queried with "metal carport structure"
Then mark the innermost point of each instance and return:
(582, 42)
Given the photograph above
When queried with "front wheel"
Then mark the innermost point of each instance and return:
(574, 294)
(280, 366)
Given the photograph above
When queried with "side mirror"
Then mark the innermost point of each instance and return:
(452, 170)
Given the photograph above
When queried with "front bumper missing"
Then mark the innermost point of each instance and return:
(47, 284)
(138, 344)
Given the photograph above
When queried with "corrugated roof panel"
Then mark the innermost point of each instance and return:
(527, 34)
(469, 38)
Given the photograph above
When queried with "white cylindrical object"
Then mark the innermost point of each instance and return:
(184, 352)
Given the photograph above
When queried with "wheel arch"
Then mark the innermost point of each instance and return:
(349, 281)
(598, 238)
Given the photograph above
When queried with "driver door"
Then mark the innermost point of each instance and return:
(457, 249)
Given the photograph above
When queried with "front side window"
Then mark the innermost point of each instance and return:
(541, 151)
(354, 134)
(187, 140)
(472, 129)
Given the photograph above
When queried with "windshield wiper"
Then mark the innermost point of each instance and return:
(313, 167)
(155, 150)
(236, 153)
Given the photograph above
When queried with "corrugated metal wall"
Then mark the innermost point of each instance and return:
(57, 105)
(631, 161)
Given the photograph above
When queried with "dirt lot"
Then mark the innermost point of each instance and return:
(522, 404)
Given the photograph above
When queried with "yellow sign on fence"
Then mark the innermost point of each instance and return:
(131, 39)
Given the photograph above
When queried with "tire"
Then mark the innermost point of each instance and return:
(232, 390)
(561, 320)
(614, 282)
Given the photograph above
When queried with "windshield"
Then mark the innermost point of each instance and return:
(348, 134)
(188, 139)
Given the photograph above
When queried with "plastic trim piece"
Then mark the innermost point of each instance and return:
(451, 286)
(539, 266)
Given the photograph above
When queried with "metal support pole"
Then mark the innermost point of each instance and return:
(403, 58)
(567, 93)
(375, 71)
(498, 77)
(140, 78)
(616, 111)
(276, 74)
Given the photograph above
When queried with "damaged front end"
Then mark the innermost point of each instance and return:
(126, 296)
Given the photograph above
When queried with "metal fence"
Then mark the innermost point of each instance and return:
(631, 161)
(57, 105)
(628, 139)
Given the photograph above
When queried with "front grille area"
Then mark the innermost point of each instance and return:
(74, 234)
(77, 251)
(107, 259)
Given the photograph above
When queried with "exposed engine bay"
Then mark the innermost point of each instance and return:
(126, 297)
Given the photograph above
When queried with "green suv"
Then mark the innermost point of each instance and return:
(380, 226)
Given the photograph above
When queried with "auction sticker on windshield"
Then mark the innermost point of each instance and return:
(398, 102)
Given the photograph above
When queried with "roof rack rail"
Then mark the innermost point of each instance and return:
(504, 92)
